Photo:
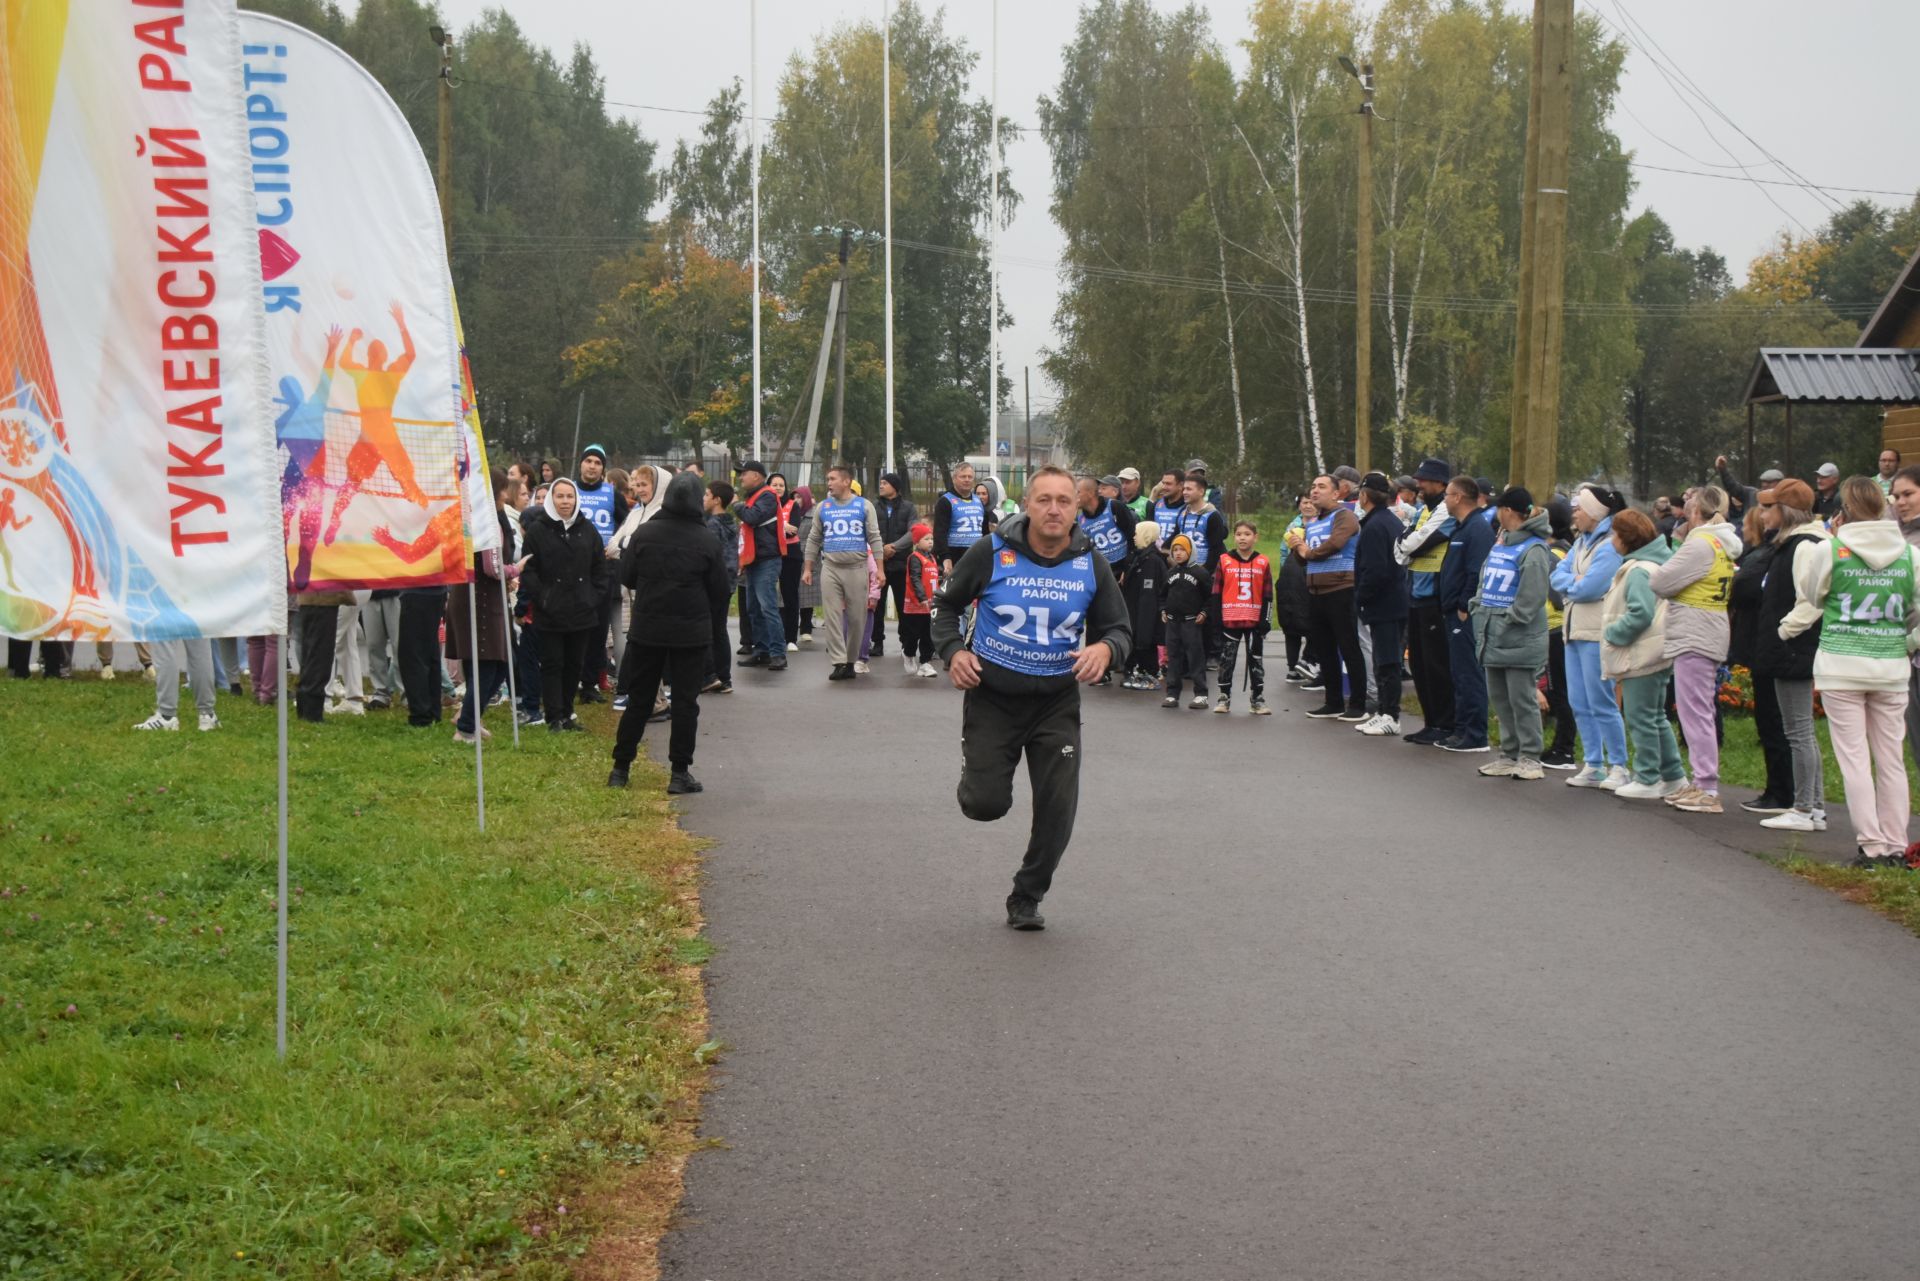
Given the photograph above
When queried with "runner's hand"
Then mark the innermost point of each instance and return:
(964, 670)
(1091, 663)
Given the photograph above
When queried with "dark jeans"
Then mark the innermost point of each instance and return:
(1772, 729)
(561, 657)
(720, 661)
(55, 656)
(916, 635)
(318, 623)
(594, 666)
(1256, 642)
(894, 581)
(1430, 657)
(1336, 645)
(1388, 637)
(1469, 682)
(1559, 706)
(419, 648)
(1186, 656)
(762, 584)
(685, 668)
(790, 567)
(493, 674)
(995, 730)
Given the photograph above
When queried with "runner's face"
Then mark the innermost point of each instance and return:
(1325, 494)
(839, 484)
(1050, 507)
(963, 480)
(1130, 489)
(592, 468)
(1906, 499)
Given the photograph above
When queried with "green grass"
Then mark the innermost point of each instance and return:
(483, 1027)
(1894, 894)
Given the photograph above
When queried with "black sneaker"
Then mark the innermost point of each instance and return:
(616, 777)
(841, 672)
(572, 725)
(1558, 758)
(591, 696)
(717, 686)
(1354, 714)
(777, 663)
(1024, 914)
(1326, 713)
(1460, 743)
(683, 783)
(1765, 805)
(754, 660)
(1431, 736)
(1171, 700)
(745, 651)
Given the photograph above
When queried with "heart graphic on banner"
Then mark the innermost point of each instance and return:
(276, 255)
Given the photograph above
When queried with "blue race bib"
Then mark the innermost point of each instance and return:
(1168, 518)
(1500, 574)
(968, 523)
(1318, 532)
(843, 526)
(1194, 526)
(597, 506)
(1032, 617)
(1104, 530)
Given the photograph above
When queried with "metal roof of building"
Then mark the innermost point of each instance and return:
(1836, 376)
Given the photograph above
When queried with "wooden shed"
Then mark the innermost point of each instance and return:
(1896, 324)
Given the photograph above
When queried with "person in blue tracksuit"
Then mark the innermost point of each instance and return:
(1459, 582)
(1583, 579)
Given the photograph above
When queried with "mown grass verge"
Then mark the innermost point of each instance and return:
(483, 1028)
(1894, 894)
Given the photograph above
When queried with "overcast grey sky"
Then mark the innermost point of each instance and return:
(1821, 86)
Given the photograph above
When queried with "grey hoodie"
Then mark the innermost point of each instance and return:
(1691, 629)
(1517, 635)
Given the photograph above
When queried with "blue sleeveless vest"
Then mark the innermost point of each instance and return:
(1318, 532)
(969, 521)
(597, 506)
(1500, 574)
(1105, 532)
(843, 526)
(1032, 617)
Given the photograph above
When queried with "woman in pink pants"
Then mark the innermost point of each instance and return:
(1860, 588)
(1695, 582)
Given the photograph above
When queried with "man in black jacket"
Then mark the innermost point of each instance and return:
(678, 575)
(760, 512)
(1051, 619)
(1380, 592)
(897, 518)
(1467, 550)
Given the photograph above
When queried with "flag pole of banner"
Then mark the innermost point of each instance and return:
(136, 457)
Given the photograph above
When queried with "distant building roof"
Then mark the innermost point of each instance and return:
(1836, 376)
(1894, 311)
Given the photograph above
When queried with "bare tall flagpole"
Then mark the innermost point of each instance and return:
(753, 129)
(280, 976)
(886, 190)
(993, 260)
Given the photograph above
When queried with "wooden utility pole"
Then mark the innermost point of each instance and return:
(445, 40)
(840, 337)
(1539, 320)
(1363, 289)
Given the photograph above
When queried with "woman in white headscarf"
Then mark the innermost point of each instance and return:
(646, 488)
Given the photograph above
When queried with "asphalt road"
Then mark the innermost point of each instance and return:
(1308, 1005)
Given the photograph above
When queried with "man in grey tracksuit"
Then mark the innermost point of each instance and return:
(844, 532)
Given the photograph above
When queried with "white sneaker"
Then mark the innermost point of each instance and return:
(793, 648)
(1530, 770)
(1366, 726)
(106, 673)
(928, 669)
(1381, 726)
(1675, 786)
(911, 666)
(157, 721)
(1590, 776)
(208, 721)
(1792, 821)
(1640, 791)
(148, 674)
(1500, 768)
(1617, 778)
(1820, 820)
(806, 638)
(862, 668)
(346, 707)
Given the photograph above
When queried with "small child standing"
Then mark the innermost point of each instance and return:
(1149, 642)
(1184, 595)
(916, 605)
(1243, 595)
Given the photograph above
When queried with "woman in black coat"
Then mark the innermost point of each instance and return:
(564, 581)
(1745, 604)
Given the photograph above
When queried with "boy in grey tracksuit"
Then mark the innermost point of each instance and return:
(845, 531)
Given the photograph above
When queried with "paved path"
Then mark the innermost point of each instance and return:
(1308, 1005)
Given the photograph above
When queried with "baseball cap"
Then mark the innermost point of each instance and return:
(1517, 499)
(1796, 494)
(1827, 469)
(753, 464)
(1377, 482)
(1129, 473)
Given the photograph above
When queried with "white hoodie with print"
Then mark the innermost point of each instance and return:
(1879, 543)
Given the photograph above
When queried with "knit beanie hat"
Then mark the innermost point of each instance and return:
(1181, 540)
(921, 530)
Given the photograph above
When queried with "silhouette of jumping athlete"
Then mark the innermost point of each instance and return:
(376, 385)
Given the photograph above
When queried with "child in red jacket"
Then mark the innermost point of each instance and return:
(1243, 595)
(916, 606)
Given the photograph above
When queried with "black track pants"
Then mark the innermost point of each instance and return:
(995, 730)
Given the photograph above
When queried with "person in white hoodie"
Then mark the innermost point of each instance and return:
(1862, 594)
(1696, 581)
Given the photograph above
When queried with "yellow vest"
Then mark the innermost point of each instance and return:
(1428, 561)
(1709, 592)
(1555, 615)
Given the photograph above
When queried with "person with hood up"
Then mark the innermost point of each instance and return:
(1051, 618)
(1582, 579)
(1633, 655)
(1862, 591)
(1509, 617)
(1787, 664)
(563, 580)
(1184, 597)
(898, 516)
(1697, 580)
(678, 576)
(1150, 568)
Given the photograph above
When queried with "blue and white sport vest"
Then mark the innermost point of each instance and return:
(1168, 518)
(1194, 526)
(1500, 574)
(1104, 530)
(968, 521)
(1341, 562)
(843, 526)
(1032, 617)
(596, 505)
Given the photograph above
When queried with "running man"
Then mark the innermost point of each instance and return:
(1051, 619)
(376, 385)
(302, 430)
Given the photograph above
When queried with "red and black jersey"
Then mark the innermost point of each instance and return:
(1245, 589)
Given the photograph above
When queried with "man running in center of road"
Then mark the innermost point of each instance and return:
(1051, 619)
